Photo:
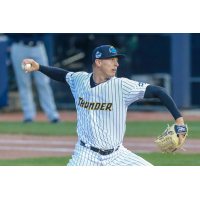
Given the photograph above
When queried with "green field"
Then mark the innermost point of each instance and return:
(156, 159)
(133, 129)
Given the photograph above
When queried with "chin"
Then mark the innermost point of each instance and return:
(112, 75)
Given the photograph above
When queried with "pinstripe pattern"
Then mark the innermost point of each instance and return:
(123, 157)
(101, 118)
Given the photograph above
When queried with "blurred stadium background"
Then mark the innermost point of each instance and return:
(169, 60)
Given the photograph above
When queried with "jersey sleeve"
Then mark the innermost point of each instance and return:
(73, 77)
(70, 77)
(132, 90)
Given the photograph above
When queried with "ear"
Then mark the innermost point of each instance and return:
(98, 62)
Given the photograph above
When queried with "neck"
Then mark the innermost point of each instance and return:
(99, 79)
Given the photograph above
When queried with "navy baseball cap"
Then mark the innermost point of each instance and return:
(105, 51)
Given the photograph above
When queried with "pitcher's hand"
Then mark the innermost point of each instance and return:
(34, 65)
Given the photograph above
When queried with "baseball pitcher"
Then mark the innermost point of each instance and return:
(101, 101)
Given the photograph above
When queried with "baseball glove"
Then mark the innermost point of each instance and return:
(168, 142)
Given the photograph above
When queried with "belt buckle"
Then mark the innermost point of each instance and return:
(102, 151)
(107, 152)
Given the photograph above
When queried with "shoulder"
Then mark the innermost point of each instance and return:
(132, 83)
(122, 80)
(126, 81)
(72, 77)
(77, 74)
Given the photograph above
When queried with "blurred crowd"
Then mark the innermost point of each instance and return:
(145, 54)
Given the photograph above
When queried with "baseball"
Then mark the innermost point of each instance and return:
(26, 67)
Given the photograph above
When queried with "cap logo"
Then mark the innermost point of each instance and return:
(112, 50)
(98, 54)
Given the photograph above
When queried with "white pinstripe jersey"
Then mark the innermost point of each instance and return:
(101, 110)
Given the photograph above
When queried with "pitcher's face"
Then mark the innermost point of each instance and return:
(108, 66)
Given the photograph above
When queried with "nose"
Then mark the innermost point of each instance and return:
(116, 63)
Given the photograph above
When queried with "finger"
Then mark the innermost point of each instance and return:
(24, 62)
(27, 61)
(30, 61)
(27, 71)
(180, 138)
